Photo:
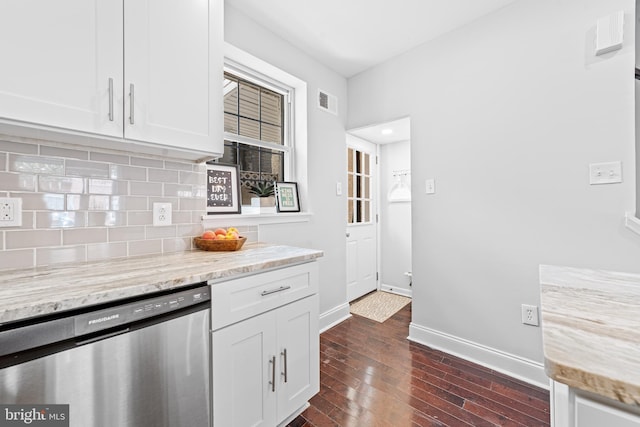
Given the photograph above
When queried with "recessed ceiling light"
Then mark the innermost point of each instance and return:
(387, 131)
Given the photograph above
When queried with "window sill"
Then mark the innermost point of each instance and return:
(256, 219)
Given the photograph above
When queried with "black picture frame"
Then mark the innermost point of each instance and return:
(223, 189)
(287, 197)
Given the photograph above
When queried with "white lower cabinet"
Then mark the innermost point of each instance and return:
(574, 408)
(266, 366)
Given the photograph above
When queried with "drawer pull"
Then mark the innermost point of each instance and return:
(273, 291)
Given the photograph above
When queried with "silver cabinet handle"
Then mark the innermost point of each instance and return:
(272, 362)
(110, 99)
(131, 103)
(273, 291)
(284, 355)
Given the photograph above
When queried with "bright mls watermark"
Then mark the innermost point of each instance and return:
(34, 415)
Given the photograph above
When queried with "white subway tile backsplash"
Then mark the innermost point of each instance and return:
(99, 203)
(140, 218)
(150, 163)
(129, 203)
(17, 181)
(48, 256)
(191, 204)
(178, 190)
(23, 239)
(23, 258)
(107, 219)
(36, 164)
(123, 234)
(176, 245)
(161, 175)
(61, 219)
(131, 173)
(60, 184)
(41, 201)
(108, 186)
(137, 188)
(87, 169)
(77, 236)
(145, 247)
(90, 205)
(100, 251)
(178, 166)
(110, 158)
(64, 152)
(18, 147)
(160, 232)
(77, 202)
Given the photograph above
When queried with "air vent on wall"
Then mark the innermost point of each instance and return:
(327, 102)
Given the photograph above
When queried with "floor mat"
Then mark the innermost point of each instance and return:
(379, 305)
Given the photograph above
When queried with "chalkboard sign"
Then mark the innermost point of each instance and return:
(222, 189)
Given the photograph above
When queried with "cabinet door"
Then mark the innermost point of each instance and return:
(57, 61)
(243, 367)
(298, 336)
(173, 73)
(594, 414)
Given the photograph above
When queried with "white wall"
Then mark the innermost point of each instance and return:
(506, 114)
(395, 220)
(326, 153)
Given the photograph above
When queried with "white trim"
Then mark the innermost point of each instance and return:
(509, 364)
(632, 222)
(336, 315)
(209, 221)
(298, 144)
(396, 290)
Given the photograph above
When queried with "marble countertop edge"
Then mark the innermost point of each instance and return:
(36, 292)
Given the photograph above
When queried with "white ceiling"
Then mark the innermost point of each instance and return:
(385, 133)
(350, 36)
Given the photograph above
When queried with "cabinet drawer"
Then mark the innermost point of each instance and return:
(238, 299)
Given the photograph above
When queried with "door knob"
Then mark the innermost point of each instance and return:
(348, 234)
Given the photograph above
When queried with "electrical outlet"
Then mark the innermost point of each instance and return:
(161, 214)
(10, 211)
(530, 315)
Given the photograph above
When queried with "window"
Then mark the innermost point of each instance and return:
(256, 120)
(359, 186)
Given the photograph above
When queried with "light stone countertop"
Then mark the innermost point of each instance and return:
(39, 291)
(591, 330)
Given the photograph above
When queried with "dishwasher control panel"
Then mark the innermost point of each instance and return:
(139, 310)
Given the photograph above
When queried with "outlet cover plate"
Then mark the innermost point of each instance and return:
(162, 214)
(530, 315)
(10, 212)
(605, 173)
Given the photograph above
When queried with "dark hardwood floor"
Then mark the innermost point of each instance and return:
(371, 375)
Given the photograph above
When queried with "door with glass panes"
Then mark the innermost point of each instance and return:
(361, 218)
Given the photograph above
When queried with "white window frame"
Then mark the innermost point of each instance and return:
(236, 60)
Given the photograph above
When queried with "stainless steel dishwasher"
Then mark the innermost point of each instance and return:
(140, 363)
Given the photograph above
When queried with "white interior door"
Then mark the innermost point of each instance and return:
(361, 218)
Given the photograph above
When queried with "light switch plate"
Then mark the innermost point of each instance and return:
(338, 188)
(605, 173)
(430, 185)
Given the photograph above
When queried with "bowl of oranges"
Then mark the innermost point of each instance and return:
(220, 239)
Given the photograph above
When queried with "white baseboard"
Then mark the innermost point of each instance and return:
(509, 364)
(330, 318)
(396, 290)
(631, 222)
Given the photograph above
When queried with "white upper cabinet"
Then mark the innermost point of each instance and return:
(57, 61)
(144, 71)
(172, 78)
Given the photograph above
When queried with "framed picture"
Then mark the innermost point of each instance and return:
(287, 197)
(223, 189)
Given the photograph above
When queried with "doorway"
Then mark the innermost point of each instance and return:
(379, 242)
